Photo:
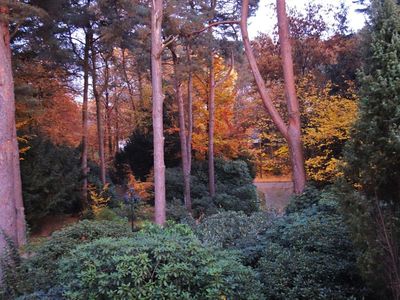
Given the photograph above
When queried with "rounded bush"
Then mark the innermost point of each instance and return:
(157, 263)
(227, 229)
(41, 267)
(309, 255)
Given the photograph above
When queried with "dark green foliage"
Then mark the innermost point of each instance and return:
(230, 229)
(9, 264)
(312, 197)
(50, 179)
(309, 255)
(138, 152)
(157, 263)
(373, 154)
(40, 270)
(235, 189)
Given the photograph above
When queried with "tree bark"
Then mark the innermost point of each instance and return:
(85, 124)
(182, 134)
(100, 131)
(128, 83)
(12, 218)
(291, 133)
(211, 125)
(294, 127)
(108, 111)
(158, 99)
(190, 112)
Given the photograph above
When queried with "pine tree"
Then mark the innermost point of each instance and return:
(373, 154)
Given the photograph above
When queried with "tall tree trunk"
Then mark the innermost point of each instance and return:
(12, 219)
(182, 133)
(158, 99)
(140, 87)
(100, 132)
(108, 111)
(116, 144)
(291, 133)
(85, 124)
(128, 83)
(294, 127)
(211, 125)
(190, 112)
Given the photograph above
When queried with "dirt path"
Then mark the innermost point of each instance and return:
(277, 193)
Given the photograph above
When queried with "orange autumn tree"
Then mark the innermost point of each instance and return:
(229, 137)
(45, 102)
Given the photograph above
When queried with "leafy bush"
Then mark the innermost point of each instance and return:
(310, 256)
(107, 214)
(9, 263)
(235, 189)
(308, 198)
(157, 263)
(40, 269)
(229, 229)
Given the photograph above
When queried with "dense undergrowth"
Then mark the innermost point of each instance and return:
(305, 254)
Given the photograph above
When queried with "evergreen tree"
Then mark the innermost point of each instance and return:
(373, 155)
(50, 179)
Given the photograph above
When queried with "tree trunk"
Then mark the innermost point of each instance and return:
(294, 128)
(291, 133)
(182, 134)
(100, 132)
(128, 83)
(108, 112)
(190, 112)
(211, 121)
(12, 219)
(85, 124)
(158, 99)
(116, 144)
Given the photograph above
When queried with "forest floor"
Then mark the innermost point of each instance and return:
(276, 192)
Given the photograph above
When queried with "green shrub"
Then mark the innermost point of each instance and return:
(157, 263)
(10, 261)
(228, 229)
(308, 198)
(107, 214)
(40, 269)
(234, 184)
(308, 254)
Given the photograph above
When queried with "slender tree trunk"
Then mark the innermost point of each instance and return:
(182, 134)
(85, 124)
(158, 99)
(116, 129)
(100, 132)
(128, 83)
(190, 112)
(211, 125)
(12, 219)
(294, 128)
(108, 111)
(140, 87)
(291, 133)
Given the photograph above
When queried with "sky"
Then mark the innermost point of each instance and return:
(265, 18)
